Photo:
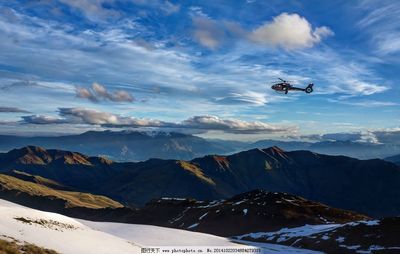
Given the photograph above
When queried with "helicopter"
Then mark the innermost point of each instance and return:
(285, 87)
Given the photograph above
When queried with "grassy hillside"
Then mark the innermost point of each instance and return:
(13, 247)
(71, 199)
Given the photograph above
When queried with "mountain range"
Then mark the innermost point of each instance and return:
(219, 217)
(139, 146)
(252, 218)
(123, 145)
(366, 186)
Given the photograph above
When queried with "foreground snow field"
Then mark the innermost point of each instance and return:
(68, 235)
(160, 236)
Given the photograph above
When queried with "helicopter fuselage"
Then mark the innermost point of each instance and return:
(285, 87)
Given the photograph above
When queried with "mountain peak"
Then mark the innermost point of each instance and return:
(30, 155)
(32, 149)
(274, 150)
(40, 156)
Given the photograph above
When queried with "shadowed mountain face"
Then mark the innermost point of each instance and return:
(395, 159)
(366, 186)
(252, 211)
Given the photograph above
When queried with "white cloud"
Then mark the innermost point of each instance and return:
(248, 97)
(339, 74)
(40, 119)
(94, 10)
(364, 88)
(99, 92)
(366, 103)
(289, 31)
(94, 117)
(165, 6)
(387, 43)
(170, 8)
(368, 137)
(197, 11)
(381, 24)
(232, 125)
(207, 32)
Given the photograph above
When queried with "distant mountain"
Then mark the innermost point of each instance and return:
(360, 150)
(366, 186)
(139, 146)
(285, 145)
(125, 145)
(395, 159)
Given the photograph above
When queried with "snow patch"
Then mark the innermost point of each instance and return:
(365, 222)
(245, 211)
(325, 237)
(239, 202)
(212, 204)
(204, 215)
(340, 239)
(193, 226)
(352, 247)
(177, 199)
(288, 233)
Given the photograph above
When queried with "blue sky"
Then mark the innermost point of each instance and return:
(202, 67)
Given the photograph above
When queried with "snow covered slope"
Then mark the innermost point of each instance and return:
(57, 232)
(174, 237)
(356, 237)
(67, 235)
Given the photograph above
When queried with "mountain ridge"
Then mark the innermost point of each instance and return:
(366, 186)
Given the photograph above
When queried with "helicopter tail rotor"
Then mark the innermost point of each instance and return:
(309, 88)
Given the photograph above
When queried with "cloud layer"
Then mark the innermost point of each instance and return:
(12, 110)
(389, 136)
(196, 123)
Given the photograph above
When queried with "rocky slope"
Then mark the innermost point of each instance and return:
(41, 196)
(376, 236)
(252, 211)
